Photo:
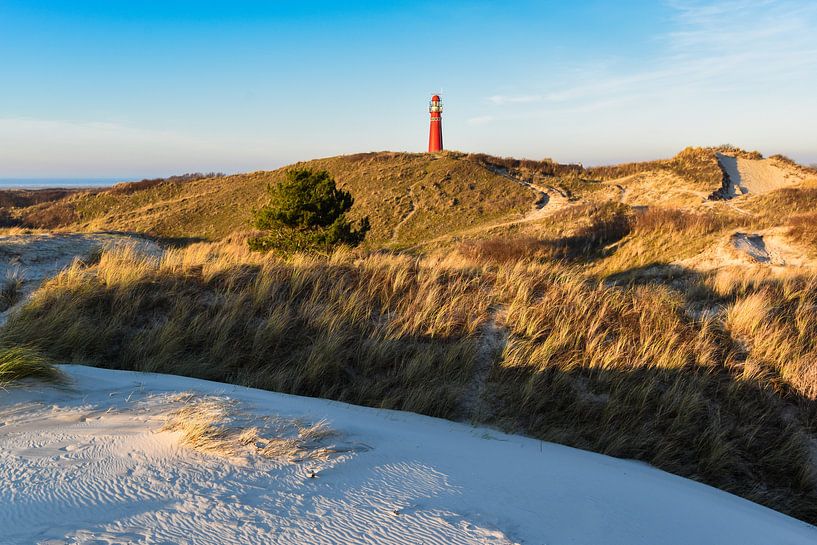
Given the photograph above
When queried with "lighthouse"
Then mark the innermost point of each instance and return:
(435, 131)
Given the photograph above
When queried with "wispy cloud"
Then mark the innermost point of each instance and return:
(505, 99)
(765, 33)
(480, 120)
(711, 46)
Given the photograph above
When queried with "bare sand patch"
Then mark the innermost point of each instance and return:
(756, 176)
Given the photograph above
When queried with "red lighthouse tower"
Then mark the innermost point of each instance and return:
(435, 132)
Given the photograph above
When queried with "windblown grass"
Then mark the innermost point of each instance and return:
(626, 372)
(725, 396)
(17, 363)
(382, 331)
(10, 291)
(212, 425)
(777, 324)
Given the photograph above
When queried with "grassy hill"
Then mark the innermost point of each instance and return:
(633, 310)
(407, 197)
(431, 201)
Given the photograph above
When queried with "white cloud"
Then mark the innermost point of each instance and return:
(505, 99)
(736, 46)
(481, 120)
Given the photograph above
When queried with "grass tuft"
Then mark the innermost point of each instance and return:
(11, 291)
(17, 363)
(213, 425)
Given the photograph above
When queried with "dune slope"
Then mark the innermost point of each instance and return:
(90, 464)
(407, 197)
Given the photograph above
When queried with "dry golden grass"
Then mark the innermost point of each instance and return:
(776, 321)
(748, 315)
(725, 395)
(212, 425)
(697, 166)
(10, 231)
(771, 208)
(408, 198)
(627, 372)
(381, 330)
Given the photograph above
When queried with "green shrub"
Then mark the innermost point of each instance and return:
(307, 212)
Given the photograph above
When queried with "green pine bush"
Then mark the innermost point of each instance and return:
(306, 213)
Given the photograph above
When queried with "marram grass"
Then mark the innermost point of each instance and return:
(726, 397)
(17, 363)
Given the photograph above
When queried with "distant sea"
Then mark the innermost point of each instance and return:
(43, 183)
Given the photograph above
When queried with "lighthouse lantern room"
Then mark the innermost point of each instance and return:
(435, 133)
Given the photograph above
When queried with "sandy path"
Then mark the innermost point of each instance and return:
(34, 258)
(88, 464)
(549, 200)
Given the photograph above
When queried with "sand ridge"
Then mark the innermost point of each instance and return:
(90, 464)
(756, 176)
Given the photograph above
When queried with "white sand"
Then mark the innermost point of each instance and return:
(88, 464)
(755, 176)
(769, 249)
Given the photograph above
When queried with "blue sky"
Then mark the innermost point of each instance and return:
(142, 88)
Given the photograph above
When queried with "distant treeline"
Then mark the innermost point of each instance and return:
(20, 198)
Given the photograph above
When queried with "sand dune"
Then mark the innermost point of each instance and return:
(755, 176)
(89, 463)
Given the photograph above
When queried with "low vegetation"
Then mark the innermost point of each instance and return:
(17, 363)
(544, 299)
(21, 198)
(727, 397)
(306, 212)
(545, 167)
(698, 166)
(590, 229)
(126, 188)
(215, 426)
(660, 236)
